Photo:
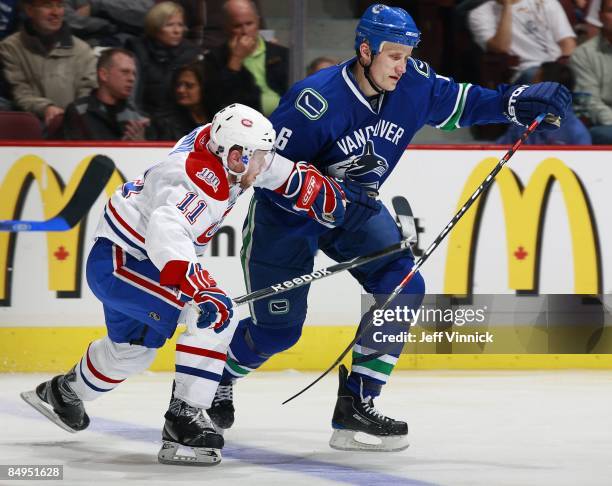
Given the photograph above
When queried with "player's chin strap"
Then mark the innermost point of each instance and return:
(366, 72)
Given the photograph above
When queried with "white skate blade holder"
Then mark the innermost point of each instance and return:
(200, 456)
(352, 440)
(33, 399)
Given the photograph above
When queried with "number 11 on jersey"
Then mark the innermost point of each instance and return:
(186, 204)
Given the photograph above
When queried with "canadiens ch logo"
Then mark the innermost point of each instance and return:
(209, 177)
(367, 168)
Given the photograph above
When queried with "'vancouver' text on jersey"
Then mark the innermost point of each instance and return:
(327, 120)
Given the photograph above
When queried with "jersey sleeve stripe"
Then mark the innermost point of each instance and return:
(452, 121)
(123, 223)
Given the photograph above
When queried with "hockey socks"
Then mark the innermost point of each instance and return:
(106, 364)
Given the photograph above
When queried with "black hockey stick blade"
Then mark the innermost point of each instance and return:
(321, 273)
(93, 182)
(479, 190)
(405, 218)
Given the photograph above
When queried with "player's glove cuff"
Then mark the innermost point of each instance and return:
(188, 277)
(315, 195)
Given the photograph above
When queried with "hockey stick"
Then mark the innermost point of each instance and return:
(485, 185)
(94, 179)
(190, 314)
(321, 273)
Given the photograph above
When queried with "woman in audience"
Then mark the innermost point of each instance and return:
(188, 111)
(159, 53)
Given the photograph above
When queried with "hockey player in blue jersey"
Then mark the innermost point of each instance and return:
(354, 121)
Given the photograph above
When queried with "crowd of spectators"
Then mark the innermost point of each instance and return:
(135, 69)
(154, 70)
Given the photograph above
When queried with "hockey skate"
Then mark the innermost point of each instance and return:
(356, 418)
(221, 412)
(189, 427)
(58, 402)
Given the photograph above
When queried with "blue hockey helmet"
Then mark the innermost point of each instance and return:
(381, 23)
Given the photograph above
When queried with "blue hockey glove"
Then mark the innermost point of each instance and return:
(522, 104)
(362, 205)
(315, 195)
(215, 309)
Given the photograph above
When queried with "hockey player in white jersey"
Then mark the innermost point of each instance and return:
(144, 267)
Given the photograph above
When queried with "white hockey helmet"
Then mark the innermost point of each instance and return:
(242, 126)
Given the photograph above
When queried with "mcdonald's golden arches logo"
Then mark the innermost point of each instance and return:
(64, 249)
(523, 213)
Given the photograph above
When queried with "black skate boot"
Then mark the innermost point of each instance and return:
(59, 403)
(189, 427)
(221, 412)
(355, 414)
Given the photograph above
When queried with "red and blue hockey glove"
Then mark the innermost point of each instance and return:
(315, 195)
(188, 277)
(362, 205)
(195, 283)
(215, 309)
(522, 104)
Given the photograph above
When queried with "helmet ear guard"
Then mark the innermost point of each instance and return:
(242, 127)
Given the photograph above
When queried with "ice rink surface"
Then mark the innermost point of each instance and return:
(466, 428)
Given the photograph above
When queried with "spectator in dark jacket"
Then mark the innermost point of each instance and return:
(107, 114)
(246, 69)
(188, 111)
(162, 50)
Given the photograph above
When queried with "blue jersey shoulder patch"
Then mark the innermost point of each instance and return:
(311, 104)
(420, 67)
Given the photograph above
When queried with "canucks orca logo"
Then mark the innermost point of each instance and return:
(367, 168)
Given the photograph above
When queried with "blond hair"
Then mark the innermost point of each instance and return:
(159, 15)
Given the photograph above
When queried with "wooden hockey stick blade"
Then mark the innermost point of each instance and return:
(94, 179)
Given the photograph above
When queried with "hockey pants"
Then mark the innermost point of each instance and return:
(140, 315)
(278, 247)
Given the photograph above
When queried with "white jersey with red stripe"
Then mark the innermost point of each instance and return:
(174, 209)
